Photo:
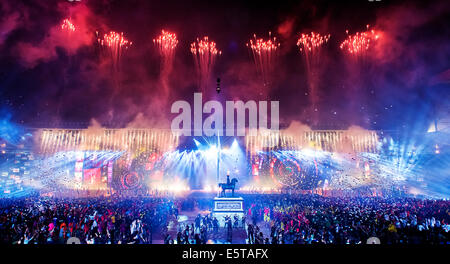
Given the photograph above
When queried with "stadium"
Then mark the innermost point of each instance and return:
(109, 161)
(90, 144)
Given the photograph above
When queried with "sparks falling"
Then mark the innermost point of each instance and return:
(115, 44)
(132, 140)
(331, 141)
(357, 47)
(264, 54)
(310, 45)
(205, 54)
(166, 43)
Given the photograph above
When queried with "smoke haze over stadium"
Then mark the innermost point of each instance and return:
(46, 77)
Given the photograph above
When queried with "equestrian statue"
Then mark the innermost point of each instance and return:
(229, 185)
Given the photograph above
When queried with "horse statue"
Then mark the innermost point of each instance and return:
(229, 185)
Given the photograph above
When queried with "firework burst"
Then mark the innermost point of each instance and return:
(166, 43)
(358, 48)
(264, 53)
(67, 25)
(115, 44)
(205, 53)
(310, 45)
(359, 43)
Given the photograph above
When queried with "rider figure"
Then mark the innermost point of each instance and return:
(228, 180)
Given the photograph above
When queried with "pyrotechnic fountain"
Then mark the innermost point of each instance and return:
(264, 53)
(205, 53)
(166, 43)
(310, 45)
(114, 44)
(357, 48)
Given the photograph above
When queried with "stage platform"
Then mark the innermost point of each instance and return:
(228, 206)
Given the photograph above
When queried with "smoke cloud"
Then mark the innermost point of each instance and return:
(67, 77)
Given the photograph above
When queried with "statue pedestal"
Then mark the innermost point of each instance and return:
(228, 206)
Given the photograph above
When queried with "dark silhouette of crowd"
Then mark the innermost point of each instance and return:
(313, 219)
(198, 231)
(269, 219)
(103, 220)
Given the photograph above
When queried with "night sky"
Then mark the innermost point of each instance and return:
(48, 80)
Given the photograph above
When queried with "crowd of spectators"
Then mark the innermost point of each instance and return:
(314, 219)
(101, 220)
(269, 219)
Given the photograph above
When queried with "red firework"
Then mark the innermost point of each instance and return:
(67, 25)
(311, 42)
(166, 42)
(264, 54)
(310, 45)
(205, 53)
(115, 43)
(359, 43)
